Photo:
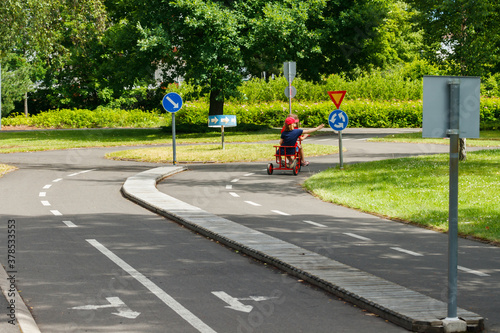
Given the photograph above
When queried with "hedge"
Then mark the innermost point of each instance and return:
(361, 113)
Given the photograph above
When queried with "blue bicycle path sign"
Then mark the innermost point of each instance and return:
(172, 102)
(338, 120)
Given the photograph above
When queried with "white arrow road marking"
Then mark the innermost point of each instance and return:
(173, 103)
(234, 304)
(114, 302)
(152, 287)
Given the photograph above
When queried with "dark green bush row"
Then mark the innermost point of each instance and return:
(361, 113)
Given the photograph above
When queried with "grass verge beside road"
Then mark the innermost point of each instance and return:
(487, 139)
(416, 190)
(214, 153)
(39, 140)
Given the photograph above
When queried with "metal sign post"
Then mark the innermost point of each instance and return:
(290, 70)
(338, 121)
(222, 121)
(172, 102)
(453, 199)
(451, 107)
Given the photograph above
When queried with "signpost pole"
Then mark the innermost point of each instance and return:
(454, 94)
(173, 138)
(341, 155)
(289, 89)
(222, 135)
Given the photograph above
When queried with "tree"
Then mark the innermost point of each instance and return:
(462, 35)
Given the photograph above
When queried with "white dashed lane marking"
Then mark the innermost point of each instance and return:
(56, 212)
(357, 236)
(253, 203)
(471, 271)
(45, 203)
(407, 251)
(316, 224)
(70, 224)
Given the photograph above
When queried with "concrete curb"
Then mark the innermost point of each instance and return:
(25, 321)
(402, 306)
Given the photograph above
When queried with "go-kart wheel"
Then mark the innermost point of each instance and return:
(295, 167)
(270, 169)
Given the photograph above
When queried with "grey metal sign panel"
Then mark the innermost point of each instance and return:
(436, 104)
(290, 70)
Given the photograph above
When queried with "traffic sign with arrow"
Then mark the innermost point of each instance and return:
(222, 120)
(172, 102)
(338, 120)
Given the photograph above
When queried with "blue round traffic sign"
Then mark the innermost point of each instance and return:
(338, 120)
(172, 102)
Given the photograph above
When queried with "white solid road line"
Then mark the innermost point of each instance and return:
(151, 286)
(357, 236)
(316, 224)
(407, 251)
(471, 271)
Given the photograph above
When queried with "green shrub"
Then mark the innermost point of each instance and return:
(194, 115)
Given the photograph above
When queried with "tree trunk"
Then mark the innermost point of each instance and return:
(216, 103)
(462, 152)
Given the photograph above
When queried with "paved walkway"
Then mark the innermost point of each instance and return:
(400, 305)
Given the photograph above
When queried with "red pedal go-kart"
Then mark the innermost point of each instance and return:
(282, 159)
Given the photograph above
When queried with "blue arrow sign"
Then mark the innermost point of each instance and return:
(338, 120)
(222, 120)
(172, 102)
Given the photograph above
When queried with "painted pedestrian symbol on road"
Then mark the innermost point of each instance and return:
(114, 302)
(338, 120)
(172, 102)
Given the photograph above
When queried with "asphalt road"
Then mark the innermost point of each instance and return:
(88, 260)
(410, 256)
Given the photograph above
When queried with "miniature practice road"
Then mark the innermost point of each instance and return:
(410, 256)
(88, 260)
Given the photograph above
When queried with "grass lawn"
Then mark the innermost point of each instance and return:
(416, 189)
(214, 153)
(38, 140)
(487, 139)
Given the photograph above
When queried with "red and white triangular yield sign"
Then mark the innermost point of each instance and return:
(337, 97)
